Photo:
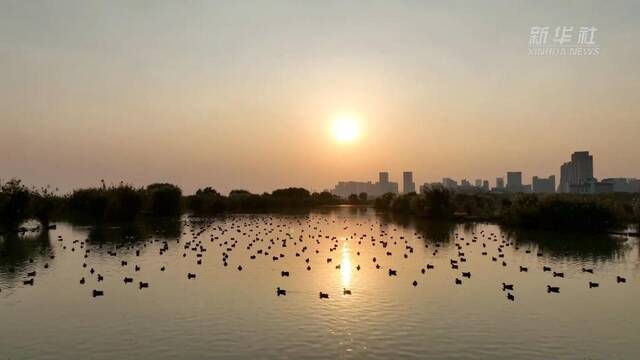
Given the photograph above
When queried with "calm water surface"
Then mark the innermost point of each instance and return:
(230, 313)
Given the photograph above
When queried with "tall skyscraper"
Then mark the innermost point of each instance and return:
(384, 177)
(578, 171)
(514, 181)
(500, 183)
(408, 185)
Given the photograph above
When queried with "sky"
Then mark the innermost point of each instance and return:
(242, 95)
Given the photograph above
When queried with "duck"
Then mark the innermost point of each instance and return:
(143, 285)
(458, 281)
(429, 266)
(28, 282)
(31, 274)
(162, 268)
(546, 268)
(97, 293)
(415, 283)
(593, 284)
(284, 273)
(191, 276)
(100, 277)
(620, 279)
(282, 292)
(507, 287)
(466, 274)
(553, 289)
(523, 269)
(137, 268)
(590, 271)
(510, 297)
(82, 281)
(128, 280)
(346, 291)
(324, 295)
(558, 274)
(393, 272)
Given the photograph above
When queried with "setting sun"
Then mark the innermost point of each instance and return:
(346, 128)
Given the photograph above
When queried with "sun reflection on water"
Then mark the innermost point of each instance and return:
(345, 265)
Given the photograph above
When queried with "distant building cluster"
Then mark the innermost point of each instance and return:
(382, 186)
(576, 177)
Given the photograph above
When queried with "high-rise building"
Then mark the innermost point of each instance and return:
(485, 185)
(478, 183)
(542, 185)
(500, 183)
(383, 177)
(577, 171)
(514, 181)
(408, 185)
(449, 183)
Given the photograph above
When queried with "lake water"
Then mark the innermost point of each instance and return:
(230, 313)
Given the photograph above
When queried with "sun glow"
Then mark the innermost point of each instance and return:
(346, 128)
(345, 266)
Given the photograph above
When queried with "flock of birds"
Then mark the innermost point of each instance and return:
(271, 239)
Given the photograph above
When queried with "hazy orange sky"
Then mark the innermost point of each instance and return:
(242, 95)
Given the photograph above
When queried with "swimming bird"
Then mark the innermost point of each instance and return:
(346, 291)
(510, 297)
(466, 274)
(553, 289)
(415, 283)
(587, 270)
(31, 274)
(324, 295)
(546, 268)
(97, 293)
(128, 280)
(620, 279)
(507, 287)
(558, 274)
(191, 276)
(28, 282)
(458, 281)
(82, 281)
(143, 285)
(282, 292)
(523, 269)
(593, 284)
(393, 272)
(284, 273)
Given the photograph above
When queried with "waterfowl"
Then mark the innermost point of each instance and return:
(593, 284)
(239, 267)
(100, 278)
(429, 266)
(137, 268)
(282, 292)
(587, 270)
(97, 293)
(415, 283)
(553, 289)
(546, 268)
(393, 272)
(31, 274)
(346, 291)
(143, 285)
(466, 274)
(423, 270)
(324, 295)
(162, 268)
(510, 297)
(620, 279)
(82, 281)
(191, 276)
(128, 280)
(28, 282)
(458, 281)
(523, 269)
(284, 273)
(558, 274)
(507, 287)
